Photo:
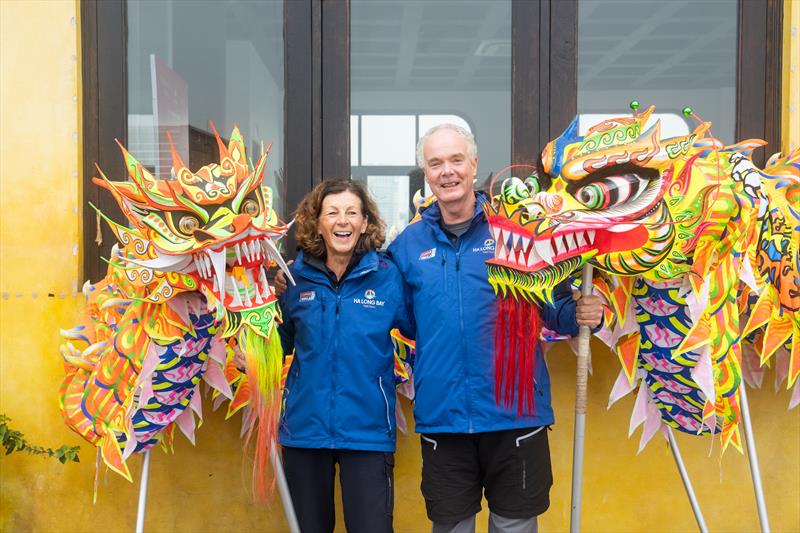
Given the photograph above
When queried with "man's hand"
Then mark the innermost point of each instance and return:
(588, 309)
(280, 281)
(239, 360)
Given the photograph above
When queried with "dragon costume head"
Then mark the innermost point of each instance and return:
(187, 285)
(210, 231)
(620, 198)
(675, 224)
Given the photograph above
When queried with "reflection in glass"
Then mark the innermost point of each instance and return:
(191, 62)
(416, 64)
(672, 54)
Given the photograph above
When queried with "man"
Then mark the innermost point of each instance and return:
(469, 443)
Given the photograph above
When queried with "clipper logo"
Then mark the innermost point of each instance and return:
(369, 300)
(488, 246)
(307, 296)
(428, 254)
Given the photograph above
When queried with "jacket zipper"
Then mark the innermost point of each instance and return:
(463, 344)
(334, 365)
(444, 268)
(386, 401)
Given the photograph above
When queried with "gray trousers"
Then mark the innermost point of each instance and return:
(497, 524)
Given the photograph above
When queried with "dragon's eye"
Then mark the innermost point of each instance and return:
(250, 207)
(188, 224)
(514, 191)
(532, 182)
(611, 191)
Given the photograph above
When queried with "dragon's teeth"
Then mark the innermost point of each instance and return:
(259, 299)
(502, 255)
(514, 239)
(571, 241)
(247, 298)
(512, 256)
(238, 249)
(263, 280)
(526, 242)
(217, 260)
(237, 299)
(560, 248)
(531, 259)
(590, 235)
(504, 237)
(579, 239)
(544, 250)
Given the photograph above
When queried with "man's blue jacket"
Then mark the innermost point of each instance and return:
(455, 308)
(340, 389)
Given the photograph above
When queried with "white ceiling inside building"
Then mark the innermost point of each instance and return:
(689, 44)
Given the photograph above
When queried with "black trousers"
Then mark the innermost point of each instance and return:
(512, 467)
(367, 481)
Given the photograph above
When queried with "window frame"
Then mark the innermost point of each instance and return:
(317, 92)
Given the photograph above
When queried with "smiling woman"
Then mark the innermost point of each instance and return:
(339, 401)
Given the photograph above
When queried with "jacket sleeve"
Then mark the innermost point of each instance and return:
(560, 317)
(286, 329)
(405, 318)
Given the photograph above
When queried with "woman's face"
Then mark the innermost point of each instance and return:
(341, 222)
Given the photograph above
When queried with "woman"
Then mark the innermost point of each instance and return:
(339, 401)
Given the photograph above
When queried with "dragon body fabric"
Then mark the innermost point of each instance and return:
(696, 248)
(188, 283)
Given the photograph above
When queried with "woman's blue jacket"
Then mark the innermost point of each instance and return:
(340, 389)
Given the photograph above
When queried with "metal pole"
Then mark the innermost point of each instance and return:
(283, 488)
(752, 456)
(584, 336)
(687, 483)
(143, 492)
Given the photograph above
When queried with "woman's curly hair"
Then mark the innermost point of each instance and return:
(307, 216)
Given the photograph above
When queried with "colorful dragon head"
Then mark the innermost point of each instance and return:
(620, 198)
(208, 231)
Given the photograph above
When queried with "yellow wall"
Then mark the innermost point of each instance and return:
(204, 488)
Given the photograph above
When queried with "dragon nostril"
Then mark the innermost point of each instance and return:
(202, 236)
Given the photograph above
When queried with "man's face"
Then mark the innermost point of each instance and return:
(449, 171)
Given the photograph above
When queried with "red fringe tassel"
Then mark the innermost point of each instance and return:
(516, 336)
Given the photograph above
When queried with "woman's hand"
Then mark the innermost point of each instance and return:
(588, 309)
(280, 281)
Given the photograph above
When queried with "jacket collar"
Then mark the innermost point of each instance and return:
(312, 268)
(432, 215)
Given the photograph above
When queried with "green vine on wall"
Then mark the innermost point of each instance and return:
(14, 441)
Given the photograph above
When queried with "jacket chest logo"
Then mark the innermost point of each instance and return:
(427, 254)
(369, 300)
(488, 247)
(307, 296)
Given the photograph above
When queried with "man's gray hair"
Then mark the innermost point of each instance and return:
(472, 147)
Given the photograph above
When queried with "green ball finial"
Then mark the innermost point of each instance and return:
(687, 111)
(634, 105)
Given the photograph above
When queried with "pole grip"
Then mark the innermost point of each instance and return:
(584, 336)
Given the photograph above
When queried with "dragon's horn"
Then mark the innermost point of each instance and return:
(177, 163)
(223, 150)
